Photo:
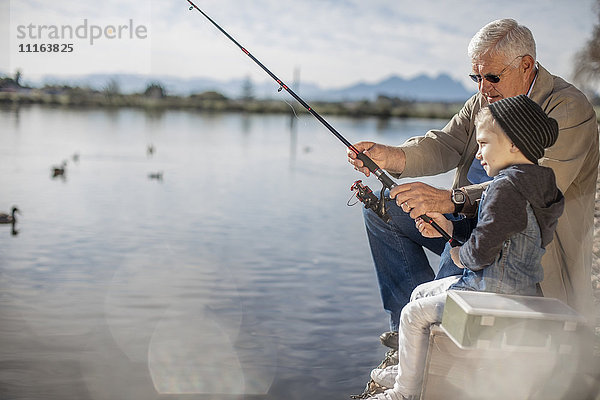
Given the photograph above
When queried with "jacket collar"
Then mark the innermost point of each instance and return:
(543, 86)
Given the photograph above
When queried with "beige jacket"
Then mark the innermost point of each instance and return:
(574, 159)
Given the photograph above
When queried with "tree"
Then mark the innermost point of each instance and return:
(112, 88)
(155, 90)
(587, 61)
(18, 76)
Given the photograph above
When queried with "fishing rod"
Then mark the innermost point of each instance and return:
(364, 194)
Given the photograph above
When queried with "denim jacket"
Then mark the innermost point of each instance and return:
(517, 268)
(517, 218)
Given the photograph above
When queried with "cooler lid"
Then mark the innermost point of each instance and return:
(504, 305)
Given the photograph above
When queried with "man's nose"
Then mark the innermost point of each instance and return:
(484, 86)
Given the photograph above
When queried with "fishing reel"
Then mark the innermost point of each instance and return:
(366, 196)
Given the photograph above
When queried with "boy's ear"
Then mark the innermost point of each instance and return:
(514, 149)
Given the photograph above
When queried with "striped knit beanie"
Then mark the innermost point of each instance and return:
(526, 124)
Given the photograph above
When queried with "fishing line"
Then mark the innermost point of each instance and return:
(384, 178)
(293, 109)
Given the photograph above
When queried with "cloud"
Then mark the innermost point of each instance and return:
(333, 43)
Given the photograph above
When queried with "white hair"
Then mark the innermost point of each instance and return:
(502, 37)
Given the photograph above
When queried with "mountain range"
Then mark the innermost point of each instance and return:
(419, 88)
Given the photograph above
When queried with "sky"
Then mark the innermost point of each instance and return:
(331, 43)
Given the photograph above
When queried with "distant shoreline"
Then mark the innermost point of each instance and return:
(383, 107)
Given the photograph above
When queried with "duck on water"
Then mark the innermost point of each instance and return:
(10, 219)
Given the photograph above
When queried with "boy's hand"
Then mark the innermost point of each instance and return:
(455, 256)
(429, 231)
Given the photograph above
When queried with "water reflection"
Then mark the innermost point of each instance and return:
(11, 114)
(246, 121)
(293, 139)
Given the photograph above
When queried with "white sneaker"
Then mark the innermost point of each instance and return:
(385, 377)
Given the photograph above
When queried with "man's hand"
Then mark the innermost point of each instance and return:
(418, 198)
(390, 158)
(429, 231)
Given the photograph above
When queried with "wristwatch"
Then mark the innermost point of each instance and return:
(458, 198)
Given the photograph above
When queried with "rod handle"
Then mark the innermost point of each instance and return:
(374, 168)
(442, 232)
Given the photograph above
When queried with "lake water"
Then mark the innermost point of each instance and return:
(242, 273)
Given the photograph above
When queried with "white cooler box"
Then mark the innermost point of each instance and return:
(507, 322)
(492, 346)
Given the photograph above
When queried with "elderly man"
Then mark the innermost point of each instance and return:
(504, 64)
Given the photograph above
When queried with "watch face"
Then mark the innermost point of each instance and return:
(458, 197)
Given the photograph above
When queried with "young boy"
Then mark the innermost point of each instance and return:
(517, 217)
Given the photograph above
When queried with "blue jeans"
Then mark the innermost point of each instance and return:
(398, 252)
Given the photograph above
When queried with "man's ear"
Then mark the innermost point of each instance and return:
(527, 63)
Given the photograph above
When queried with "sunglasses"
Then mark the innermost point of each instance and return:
(492, 78)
